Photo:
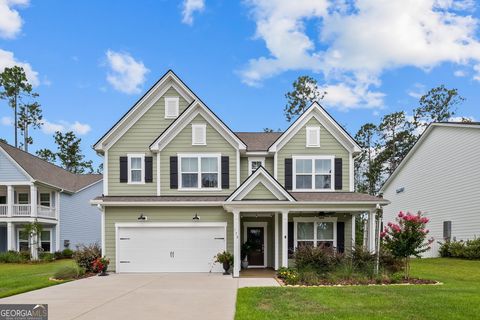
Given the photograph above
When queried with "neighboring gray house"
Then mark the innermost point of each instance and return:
(31, 188)
(441, 177)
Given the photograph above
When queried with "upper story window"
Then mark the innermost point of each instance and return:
(22, 198)
(136, 168)
(199, 171)
(254, 164)
(199, 134)
(313, 136)
(45, 199)
(171, 107)
(313, 173)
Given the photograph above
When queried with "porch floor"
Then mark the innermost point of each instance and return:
(257, 273)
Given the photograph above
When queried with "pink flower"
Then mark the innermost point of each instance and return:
(383, 234)
(400, 214)
(389, 224)
(427, 231)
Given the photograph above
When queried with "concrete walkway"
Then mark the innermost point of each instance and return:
(142, 296)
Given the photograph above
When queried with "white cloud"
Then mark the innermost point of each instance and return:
(10, 20)
(460, 73)
(64, 126)
(344, 96)
(7, 59)
(189, 7)
(360, 40)
(460, 119)
(126, 74)
(6, 121)
(417, 91)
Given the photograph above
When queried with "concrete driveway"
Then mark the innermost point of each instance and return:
(142, 296)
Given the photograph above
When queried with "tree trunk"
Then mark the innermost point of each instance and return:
(15, 116)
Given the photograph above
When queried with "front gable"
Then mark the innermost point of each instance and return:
(260, 192)
(10, 171)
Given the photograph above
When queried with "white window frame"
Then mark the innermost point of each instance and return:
(315, 221)
(49, 199)
(199, 156)
(204, 138)
(142, 157)
(255, 159)
(315, 129)
(18, 239)
(50, 240)
(28, 197)
(177, 107)
(313, 158)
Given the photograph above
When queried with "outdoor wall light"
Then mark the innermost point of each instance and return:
(142, 217)
(196, 217)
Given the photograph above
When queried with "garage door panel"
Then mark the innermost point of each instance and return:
(170, 249)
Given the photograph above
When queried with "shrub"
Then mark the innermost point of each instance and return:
(309, 277)
(58, 255)
(67, 253)
(389, 263)
(26, 255)
(46, 256)
(321, 259)
(85, 255)
(69, 272)
(363, 260)
(469, 249)
(472, 249)
(13, 257)
(289, 275)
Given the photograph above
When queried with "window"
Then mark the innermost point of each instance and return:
(136, 167)
(313, 173)
(46, 240)
(22, 198)
(254, 164)
(171, 107)
(45, 199)
(199, 172)
(313, 136)
(199, 134)
(23, 240)
(315, 232)
(3, 199)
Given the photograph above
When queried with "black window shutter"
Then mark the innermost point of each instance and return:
(123, 169)
(148, 169)
(225, 172)
(290, 239)
(288, 174)
(340, 237)
(173, 172)
(338, 174)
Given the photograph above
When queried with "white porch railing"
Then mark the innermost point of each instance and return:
(46, 212)
(21, 210)
(3, 210)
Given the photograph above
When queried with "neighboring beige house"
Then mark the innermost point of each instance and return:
(441, 177)
(181, 186)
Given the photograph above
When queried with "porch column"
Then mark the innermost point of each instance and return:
(10, 240)
(10, 201)
(353, 231)
(275, 242)
(371, 231)
(285, 238)
(57, 215)
(33, 200)
(236, 244)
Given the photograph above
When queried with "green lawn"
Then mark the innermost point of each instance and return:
(17, 278)
(457, 298)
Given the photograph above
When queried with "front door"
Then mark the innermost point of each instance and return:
(256, 236)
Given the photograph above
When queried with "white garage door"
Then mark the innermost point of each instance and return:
(176, 248)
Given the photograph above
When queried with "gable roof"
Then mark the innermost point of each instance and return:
(194, 109)
(261, 175)
(423, 137)
(258, 141)
(168, 80)
(47, 173)
(317, 111)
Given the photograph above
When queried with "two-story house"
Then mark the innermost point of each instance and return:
(181, 186)
(32, 189)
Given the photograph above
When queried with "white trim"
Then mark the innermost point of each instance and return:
(238, 168)
(147, 101)
(16, 183)
(257, 153)
(142, 167)
(105, 173)
(203, 139)
(102, 215)
(236, 244)
(158, 174)
(275, 165)
(353, 230)
(28, 193)
(187, 117)
(315, 221)
(316, 131)
(313, 174)
(258, 224)
(315, 110)
(39, 238)
(199, 156)
(285, 238)
(256, 159)
(260, 175)
(57, 227)
(351, 171)
(177, 107)
(275, 242)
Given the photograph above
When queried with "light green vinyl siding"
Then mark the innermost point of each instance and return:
(269, 165)
(182, 143)
(161, 214)
(137, 140)
(329, 145)
(260, 192)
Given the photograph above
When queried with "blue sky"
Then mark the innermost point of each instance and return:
(91, 60)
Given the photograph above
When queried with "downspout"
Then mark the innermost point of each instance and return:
(379, 216)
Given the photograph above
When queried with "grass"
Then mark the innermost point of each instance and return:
(17, 278)
(457, 298)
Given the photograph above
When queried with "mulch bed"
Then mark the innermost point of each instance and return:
(372, 282)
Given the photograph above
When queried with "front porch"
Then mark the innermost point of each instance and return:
(14, 238)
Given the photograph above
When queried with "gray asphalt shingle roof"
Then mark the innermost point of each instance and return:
(258, 141)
